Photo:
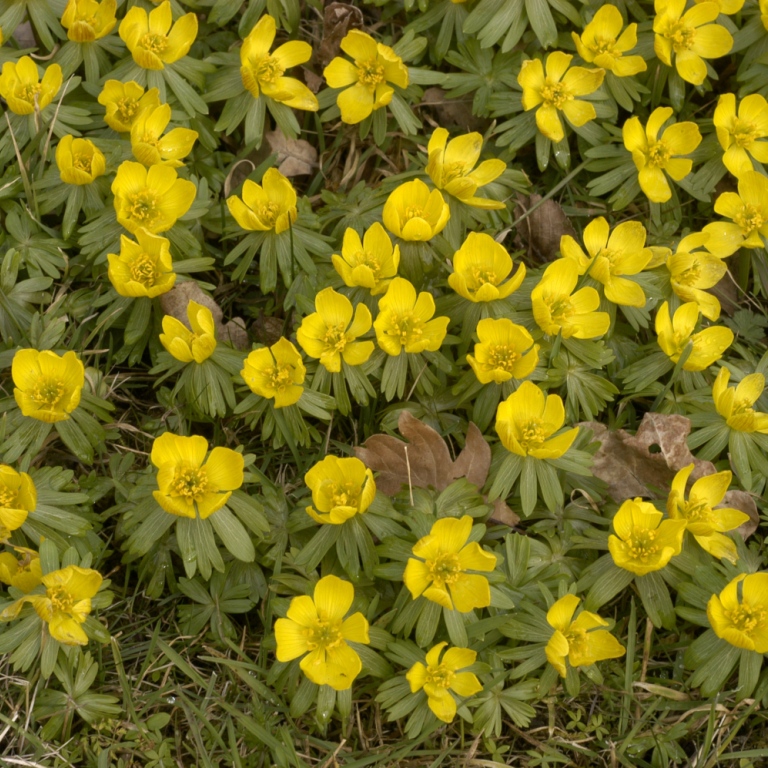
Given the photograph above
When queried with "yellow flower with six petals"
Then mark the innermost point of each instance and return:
(24, 90)
(270, 205)
(188, 485)
(441, 572)
(18, 497)
(415, 213)
(480, 268)
(275, 372)
(505, 351)
(89, 20)
(79, 161)
(739, 614)
(143, 268)
(736, 404)
(371, 262)
(125, 102)
(603, 43)
(186, 345)
(151, 147)
(47, 387)
(341, 489)
(741, 133)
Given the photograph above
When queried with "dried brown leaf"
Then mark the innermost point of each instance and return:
(452, 112)
(540, 232)
(503, 514)
(474, 461)
(745, 503)
(295, 157)
(338, 19)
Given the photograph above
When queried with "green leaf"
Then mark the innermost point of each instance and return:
(654, 595)
(233, 535)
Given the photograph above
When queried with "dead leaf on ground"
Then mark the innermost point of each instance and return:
(452, 112)
(728, 294)
(745, 503)
(503, 514)
(295, 157)
(338, 19)
(540, 232)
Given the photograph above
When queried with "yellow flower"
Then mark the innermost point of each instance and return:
(405, 320)
(23, 573)
(727, 6)
(557, 91)
(480, 268)
(150, 38)
(643, 543)
(271, 205)
(275, 372)
(691, 271)
(748, 211)
(375, 66)
(329, 334)
(676, 333)
(187, 345)
(414, 213)
(341, 489)
(18, 497)
(652, 156)
(580, 642)
(527, 421)
(740, 134)
(764, 13)
(557, 309)
(706, 524)
(451, 166)
(22, 88)
(690, 36)
(370, 263)
(65, 604)
(739, 614)
(144, 268)
(48, 387)
(604, 44)
(79, 161)
(150, 199)
(438, 678)
(441, 573)
(316, 626)
(188, 485)
(263, 72)
(89, 20)
(612, 255)
(735, 404)
(506, 351)
(148, 144)
(125, 102)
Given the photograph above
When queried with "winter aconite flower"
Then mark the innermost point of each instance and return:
(557, 90)
(341, 489)
(125, 102)
(18, 497)
(47, 387)
(413, 212)
(186, 345)
(22, 570)
(263, 72)
(676, 333)
(441, 572)
(188, 485)
(611, 256)
(736, 404)
(149, 144)
(275, 372)
(79, 161)
(692, 271)
(371, 262)
(438, 678)
(366, 82)
(603, 44)
(505, 351)
(405, 321)
(22, 88)
(527, 421)
(65, 605)
(451, 166)
(653, 155)
(690, 35)
(143, 268)
(748, 211)
(482, 270)
(706, 523)
(270, 205)
(330, 333)
(557, 309)
(739, 614)
(316, 626)
(741, 134)
(580, 641)
(89, 20)
(153, 39)
(643, 543)
(151, 199)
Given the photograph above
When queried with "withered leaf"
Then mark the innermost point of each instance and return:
(745, 503)
(540, 232)
(338, 19)
(503, 514)
(452, 112)
(295, 157)
(474, 461)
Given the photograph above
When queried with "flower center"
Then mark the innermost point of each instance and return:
(605, 45)
(29, 93)
(577, 641)
(367, 259)
(406, 327)
(681, 35)
(8, 498)
(144, 270)
(749, 219)
(641, 546)
(370, 73)
(82, 163)
(658, 154)
(560, 308)
(324, 634)
(440, 676)
(84, 29)
(555, 94)
(268, 213)
(280, 377)
(61, 600)
(746, 618)
(413, 212)
(342, 494)
(483, 276)
(268, 70)
(191, 483)
(143, 207)
(453, 171)
(446, 569)
(743, 133)
(336, 337)
(502, 356)
(532, 435)
(153, 43)
(151, 139)
(126, 110)
(47, 392)
(696, 511)
(689, 276)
